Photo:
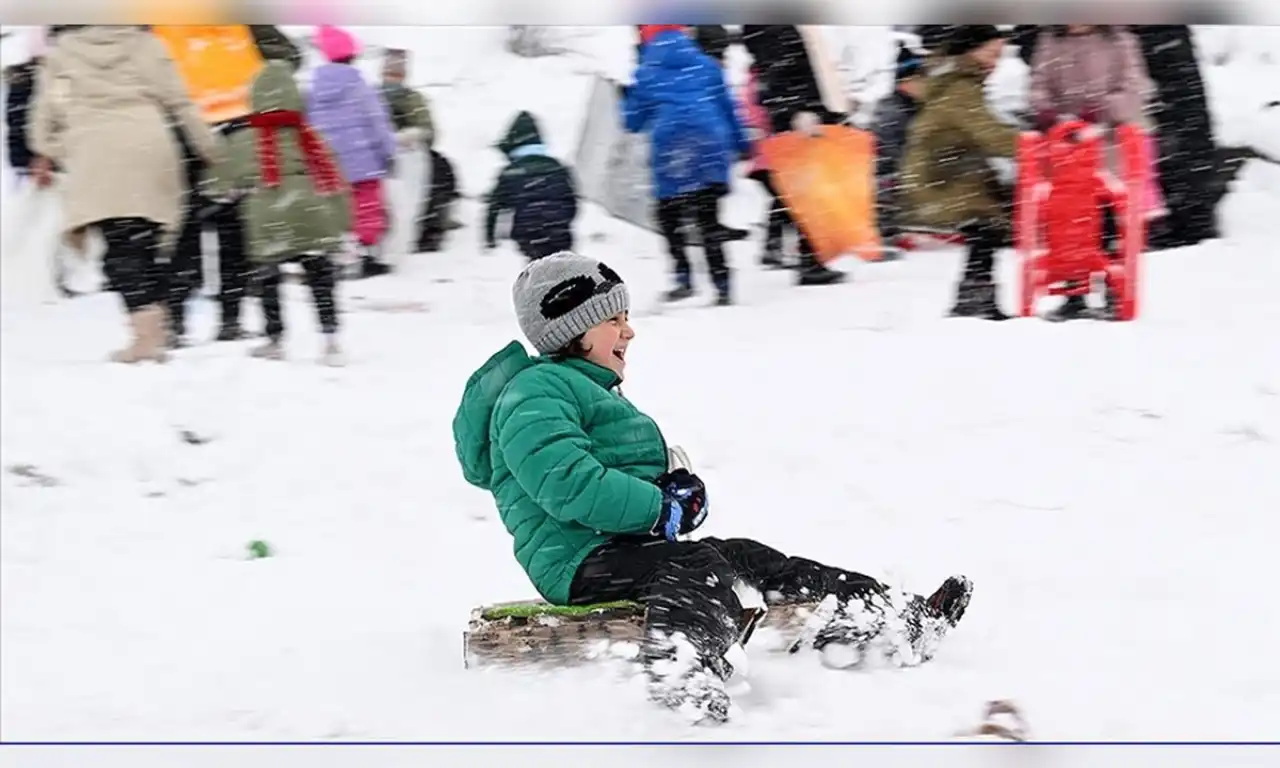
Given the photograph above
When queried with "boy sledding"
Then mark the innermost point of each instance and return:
(599, 507)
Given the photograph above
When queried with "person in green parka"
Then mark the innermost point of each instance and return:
(296, 204)
(947, 179)
(599, 505)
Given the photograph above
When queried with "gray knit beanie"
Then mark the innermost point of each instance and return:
(562, 296)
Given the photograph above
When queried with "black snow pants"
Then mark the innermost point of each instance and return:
(703, 207)
(132, 261)
(186, 270)
(320, 279)
(687, 586)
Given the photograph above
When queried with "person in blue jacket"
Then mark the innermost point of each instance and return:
(680, 99)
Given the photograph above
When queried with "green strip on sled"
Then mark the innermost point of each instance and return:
(534, 632)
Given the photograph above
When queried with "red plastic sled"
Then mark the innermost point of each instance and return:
(1063, 186)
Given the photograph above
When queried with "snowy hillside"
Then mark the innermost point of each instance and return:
(1111, 489)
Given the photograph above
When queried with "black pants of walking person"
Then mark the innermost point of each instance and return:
(187, 264)
(131, 263)
(441, 194)
(687, 586)
(976, 294)
(321, 279)
(703, 209)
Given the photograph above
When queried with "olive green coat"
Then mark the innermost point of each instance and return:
(288, 220)
(947, 180)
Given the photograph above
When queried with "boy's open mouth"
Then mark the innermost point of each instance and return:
(621, 354)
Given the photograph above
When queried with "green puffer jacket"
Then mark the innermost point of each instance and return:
(569, 461)
(293, 218)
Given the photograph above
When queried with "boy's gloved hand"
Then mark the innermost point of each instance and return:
(684, 504)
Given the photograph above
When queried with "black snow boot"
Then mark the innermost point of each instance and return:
(904, 635)
(1074, 308)
(977, 298)
(683, 680)
(812, 272)
(371, 267)
(683, 288)
(723, 296)
(772, 256)
(230, 330)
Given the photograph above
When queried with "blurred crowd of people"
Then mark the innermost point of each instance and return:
(154, 140)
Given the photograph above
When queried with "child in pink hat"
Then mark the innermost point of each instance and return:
(356, 123)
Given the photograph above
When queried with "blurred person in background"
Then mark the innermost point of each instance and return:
(946, 179)
(217, 64)
(415, 127)
(1190, 176)
(1190, 173)
(20, 82)
(680, 99)
(104, 100)
(786, 87)
(355, 122)
(536, 189)
(1092, 73)
(297, 205)
(714, 40)
(890, 123)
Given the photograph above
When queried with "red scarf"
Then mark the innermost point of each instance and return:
(320, 164)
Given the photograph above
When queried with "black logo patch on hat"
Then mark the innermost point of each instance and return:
(567, 295)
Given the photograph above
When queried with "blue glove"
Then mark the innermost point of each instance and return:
(684, 504)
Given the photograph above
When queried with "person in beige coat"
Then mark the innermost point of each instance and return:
(105, 99)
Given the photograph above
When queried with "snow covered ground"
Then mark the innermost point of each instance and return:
(1111, 489)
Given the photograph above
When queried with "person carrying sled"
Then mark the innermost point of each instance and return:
(788, 89)
(297, 206)
(599, 509)
(680, 99)
(538, 191)
(355, 122)
(1095, 74)
(947, 180)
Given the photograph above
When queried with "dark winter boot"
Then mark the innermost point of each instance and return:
(679, 677)
(905, 634)
(977, 298)
(772, 259)
(773, 254)
(1074, 308)
(371, 267)
(230, 330)
(683, 288)
(723, 296)
(813, 273)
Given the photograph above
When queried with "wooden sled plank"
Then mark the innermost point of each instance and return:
(538, 633)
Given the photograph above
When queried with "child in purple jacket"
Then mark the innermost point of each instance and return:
(354, 121)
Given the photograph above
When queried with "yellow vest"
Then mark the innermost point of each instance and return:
(217, 63)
